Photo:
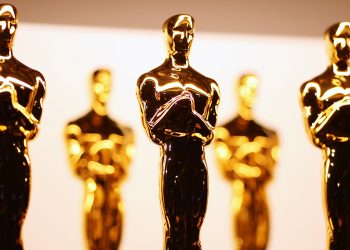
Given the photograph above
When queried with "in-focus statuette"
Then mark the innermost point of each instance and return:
(325, 102)
(22, 91)
(179, 112)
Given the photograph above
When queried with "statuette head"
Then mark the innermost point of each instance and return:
(338, 42)
(101, 85)
(178, 33)
(8, 24)
(246, 89)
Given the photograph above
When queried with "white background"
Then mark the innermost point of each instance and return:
(67, 56)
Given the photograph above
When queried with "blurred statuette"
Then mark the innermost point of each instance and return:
(100, 151)
(246, 153)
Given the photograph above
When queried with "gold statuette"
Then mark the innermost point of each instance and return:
(100, 151)
(247, 153)
(179, 112)
(325, 102)
(22, 90)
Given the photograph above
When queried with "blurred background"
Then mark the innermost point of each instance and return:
(280, 41)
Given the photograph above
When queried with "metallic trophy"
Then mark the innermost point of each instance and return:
(247, 154)
(100, 151)
(325, 103)
(22, 90)
(179, 112)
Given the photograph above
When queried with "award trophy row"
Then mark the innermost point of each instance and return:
(179, 108)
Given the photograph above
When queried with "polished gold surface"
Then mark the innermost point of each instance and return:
(22, 91)
(247, 154)
(325, 102)
(179, 112)
(100, 151)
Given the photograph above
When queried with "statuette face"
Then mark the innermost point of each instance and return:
(22, 91)
(179, 111)
(100, 151)
(8, 24)
(247, 154)
(325, 102)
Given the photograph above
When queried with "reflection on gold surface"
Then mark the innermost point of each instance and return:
(247, 154)
(325, 102)
(22, 91)
(100, 151)
(179, 111)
